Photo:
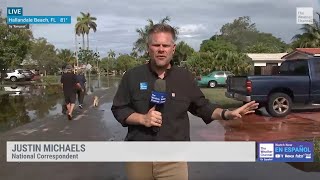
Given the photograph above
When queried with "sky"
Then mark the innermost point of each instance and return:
(118, 20)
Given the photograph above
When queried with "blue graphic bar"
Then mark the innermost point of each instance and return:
(285, 152)
(38, 19)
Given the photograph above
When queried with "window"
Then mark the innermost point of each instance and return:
(220, 74)
(317, 68)
(257, 70)
(284, 68)
(298, 68)
(272, 64)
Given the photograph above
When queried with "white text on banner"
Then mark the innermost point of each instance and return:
(119, 151)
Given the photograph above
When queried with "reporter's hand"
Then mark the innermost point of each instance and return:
(152, 118)
(243, 110)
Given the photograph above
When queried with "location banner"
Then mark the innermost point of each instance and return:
(285, 151)
(16, 19)
(38, 20)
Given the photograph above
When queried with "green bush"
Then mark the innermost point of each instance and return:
(50, 79)
(316, 150)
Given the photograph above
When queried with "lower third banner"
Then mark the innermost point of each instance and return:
(118, 151)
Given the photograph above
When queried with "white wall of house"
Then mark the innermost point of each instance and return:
(262, 59)
(259, 64)
(262, 64)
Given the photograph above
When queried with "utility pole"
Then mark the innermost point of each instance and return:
(76, 46)
(97, 60)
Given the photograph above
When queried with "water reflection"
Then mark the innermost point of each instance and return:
(12, 112)
(22, 104)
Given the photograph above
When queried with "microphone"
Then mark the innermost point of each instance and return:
(158, 98)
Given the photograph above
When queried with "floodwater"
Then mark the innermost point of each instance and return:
(21, 104)
(27, 103)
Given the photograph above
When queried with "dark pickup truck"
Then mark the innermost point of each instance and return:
(298, 81)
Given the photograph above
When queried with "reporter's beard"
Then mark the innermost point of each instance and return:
(160, 66)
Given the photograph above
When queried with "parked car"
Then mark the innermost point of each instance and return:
(4, 75)
(298, 81)
(27, 73)
(14, 75)
(14, 90)
(214, 78)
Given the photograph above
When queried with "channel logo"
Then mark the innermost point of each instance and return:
(285, 151)
(266, 150)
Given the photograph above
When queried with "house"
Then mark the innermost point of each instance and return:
(266, 63)
(28, 61)
(302, 53)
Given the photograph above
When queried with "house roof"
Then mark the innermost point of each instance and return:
(308, 51)
(266, 56)
(311, 51)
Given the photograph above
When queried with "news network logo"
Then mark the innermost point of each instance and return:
(266, 150)
(304, 15)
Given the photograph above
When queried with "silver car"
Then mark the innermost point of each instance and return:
(14, 75)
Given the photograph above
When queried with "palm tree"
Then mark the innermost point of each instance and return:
(111, 57)
(81, 29)
(67, 56)
(85, 22)
(237, 63)
(310, 38)
(140, 45)
(90, 22)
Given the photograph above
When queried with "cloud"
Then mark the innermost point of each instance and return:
(198, 20)
(191, 28)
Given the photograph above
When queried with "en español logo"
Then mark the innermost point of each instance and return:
(285, 151)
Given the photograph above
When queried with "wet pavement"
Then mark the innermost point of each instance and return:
(98, 124)
(296, 126)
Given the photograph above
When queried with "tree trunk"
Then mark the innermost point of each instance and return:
(76, 46)
(83, 45)
(88, 41)
(2, 75)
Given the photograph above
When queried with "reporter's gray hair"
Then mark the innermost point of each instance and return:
(162, 27)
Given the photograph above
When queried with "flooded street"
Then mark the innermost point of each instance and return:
(21, 104)
(24, 104)
(34, 114)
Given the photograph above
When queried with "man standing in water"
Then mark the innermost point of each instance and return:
(70, 84)
(81, 91)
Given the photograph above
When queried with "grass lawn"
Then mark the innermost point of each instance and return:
(216, 95)
(51, 79)
(317, 151)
